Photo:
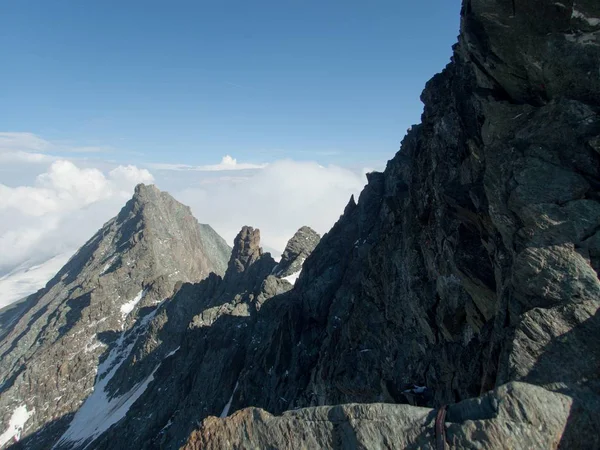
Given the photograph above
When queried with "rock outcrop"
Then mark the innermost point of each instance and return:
(296, 251)
(516, 415)
(246, 250)
(107, 290)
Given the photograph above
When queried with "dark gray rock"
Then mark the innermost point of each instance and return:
(469, 264)
(246, 250)
(298, 248)
(472, 261)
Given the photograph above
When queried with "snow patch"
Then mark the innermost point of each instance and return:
(171, 353)
(292, 278)
(225, 411)
(583, 38)
(15, 425)
(99, 412)
(107, 265)
(96, 322)
(169, 423)
(130, 305)
(592, 21)
(92, 344)
(24, 280)
(416, 389)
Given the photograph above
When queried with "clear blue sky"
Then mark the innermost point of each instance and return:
(189, 81)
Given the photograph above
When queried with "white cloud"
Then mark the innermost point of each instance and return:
(278, 199)
(65, 187)
(19, 147)
(125, 176)
(55, 212)
(64, 207)
(13, 141)
(23, 148)
(227, 163)
(88, 149)
(21, 156)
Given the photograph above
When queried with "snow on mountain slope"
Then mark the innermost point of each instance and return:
(25, 280)
(54, 342)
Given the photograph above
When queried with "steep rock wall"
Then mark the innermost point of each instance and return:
(473, 259)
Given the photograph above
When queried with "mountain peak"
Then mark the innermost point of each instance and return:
(246, 250)
(170, 228)
(150, 195)
(302, 243)
(142, 189)
(128, 268)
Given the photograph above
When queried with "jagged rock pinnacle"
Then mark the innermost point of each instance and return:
(296, 251)
(246, 250)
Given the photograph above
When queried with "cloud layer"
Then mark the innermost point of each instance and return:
(227, 163)
(63, 208)
(52, 205)
(278, 199)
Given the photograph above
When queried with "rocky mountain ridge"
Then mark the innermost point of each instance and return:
(174, 359)
(471, 262)
(465, 275)
(50, 349)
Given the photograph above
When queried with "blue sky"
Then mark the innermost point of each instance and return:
(190, 81)
(305, 97)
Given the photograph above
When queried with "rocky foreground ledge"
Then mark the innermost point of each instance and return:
(515, 416)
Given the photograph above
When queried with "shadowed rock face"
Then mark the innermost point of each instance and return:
(50, 353)
(471, 264)
(472, 261)
(475, 249)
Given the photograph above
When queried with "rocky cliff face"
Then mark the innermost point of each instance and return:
(472, 261)
(50, 351)
(466, 274)
(463, 261)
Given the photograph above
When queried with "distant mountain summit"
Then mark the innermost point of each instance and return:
(151, 318)
(191, 359)
(172, 235)
(51, 349)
